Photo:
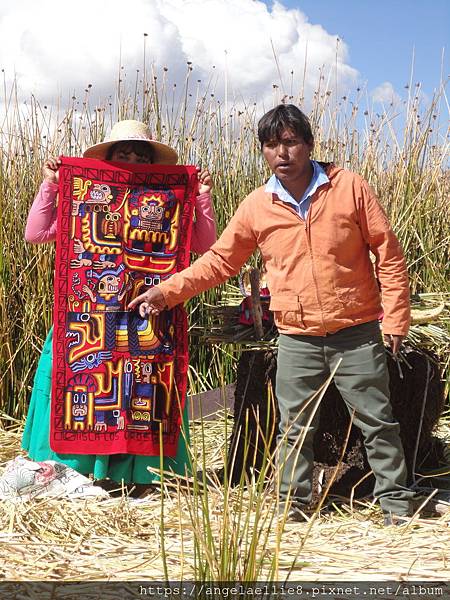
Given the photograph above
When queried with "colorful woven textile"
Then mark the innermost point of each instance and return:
(119, 381)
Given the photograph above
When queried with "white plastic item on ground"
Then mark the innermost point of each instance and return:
(24, 479)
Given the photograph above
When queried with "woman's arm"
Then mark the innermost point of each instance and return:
(204, 229)
(41, 222)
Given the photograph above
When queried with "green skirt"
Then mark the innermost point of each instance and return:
(130, 468)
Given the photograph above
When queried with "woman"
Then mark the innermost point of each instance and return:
(129, 142)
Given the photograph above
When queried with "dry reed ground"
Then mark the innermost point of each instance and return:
(120, 538)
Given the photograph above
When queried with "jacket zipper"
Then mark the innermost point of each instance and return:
(313, 268)
(307, 231)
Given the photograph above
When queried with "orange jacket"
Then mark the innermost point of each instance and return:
(319, 271)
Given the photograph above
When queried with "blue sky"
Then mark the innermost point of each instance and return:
(239, 49)
(381, 36)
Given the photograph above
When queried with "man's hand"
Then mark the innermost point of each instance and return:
(394, 342)
(204, 180)
(151, 302)
(50, 169)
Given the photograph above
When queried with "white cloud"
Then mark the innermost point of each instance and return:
(385, 94)
(54, 48)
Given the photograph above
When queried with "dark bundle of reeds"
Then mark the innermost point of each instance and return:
(417, 395)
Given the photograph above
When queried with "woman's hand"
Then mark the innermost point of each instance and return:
(151, 302)
(50, 169)
(205, 181)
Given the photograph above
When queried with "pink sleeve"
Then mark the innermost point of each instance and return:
(204, 230)
(41, 222)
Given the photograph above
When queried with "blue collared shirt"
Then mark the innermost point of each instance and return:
(274, 186)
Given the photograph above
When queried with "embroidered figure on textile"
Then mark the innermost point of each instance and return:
(97, 197)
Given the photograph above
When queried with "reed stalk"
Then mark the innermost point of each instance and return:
(401, 151)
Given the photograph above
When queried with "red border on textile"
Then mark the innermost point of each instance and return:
(119, 381)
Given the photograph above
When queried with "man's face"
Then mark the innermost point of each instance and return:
(289, 156)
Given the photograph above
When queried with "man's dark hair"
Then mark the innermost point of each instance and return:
(284, 116)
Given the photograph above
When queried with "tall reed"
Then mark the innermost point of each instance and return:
(406, 166)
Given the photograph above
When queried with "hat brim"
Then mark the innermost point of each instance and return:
(164, 155)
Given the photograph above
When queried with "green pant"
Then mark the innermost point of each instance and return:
(304, 363)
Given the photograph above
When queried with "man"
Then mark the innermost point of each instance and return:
(315, 225)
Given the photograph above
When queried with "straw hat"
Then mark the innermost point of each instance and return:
(127, 131)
